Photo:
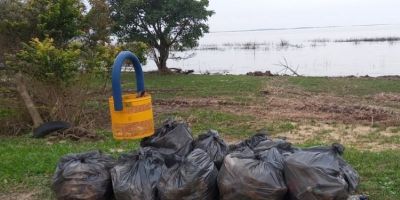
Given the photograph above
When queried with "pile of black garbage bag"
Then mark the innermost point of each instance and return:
(172, 165)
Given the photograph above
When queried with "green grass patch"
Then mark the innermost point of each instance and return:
(346, 86)
(380, 173)
(31, 162)
(280, 127)
(6, 113)
(169, 86)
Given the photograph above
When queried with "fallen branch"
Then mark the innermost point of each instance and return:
(287, 67)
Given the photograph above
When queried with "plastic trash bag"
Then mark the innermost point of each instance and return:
(358, 197)
(283, 146)
(211, 143)
(350, 174)
(248, 176)
(193, 179)
(251, 143)
(83, 176)
(319, 173)
(173, 140)
(135, 177)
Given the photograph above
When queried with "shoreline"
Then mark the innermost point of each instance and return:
(270, 74)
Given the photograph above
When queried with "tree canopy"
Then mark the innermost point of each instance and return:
(61, 20)
(98, 22)
(15, 26)
(161, 24)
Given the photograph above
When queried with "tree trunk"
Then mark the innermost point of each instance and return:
(23, 92)
(161, 59)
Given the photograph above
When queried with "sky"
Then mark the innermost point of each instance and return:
(259, 14)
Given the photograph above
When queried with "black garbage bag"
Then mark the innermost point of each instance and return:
(83, 176)
(195, 179)
(350, 174)
(283, 146)
(173, 139)
(251, 142)
(319, 173)
(135, 177)
(211, 143)
(248, 176)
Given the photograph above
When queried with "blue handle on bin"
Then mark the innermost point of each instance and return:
(116, 77)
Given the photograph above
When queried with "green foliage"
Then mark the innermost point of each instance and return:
(139, 48)
(162, 24)
(59, 19)
(14, 26)
(47, 63)
(98, 23)
(22, 20)
(99, 59)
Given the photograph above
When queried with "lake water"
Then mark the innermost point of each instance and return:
(311, 51)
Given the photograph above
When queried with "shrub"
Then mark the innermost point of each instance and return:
(43, 61)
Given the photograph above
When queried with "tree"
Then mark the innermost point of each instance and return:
(61, 20)
(15, 26)
(161, 24)
(98, 23)
(22, 20)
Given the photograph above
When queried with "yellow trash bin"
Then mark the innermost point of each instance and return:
(131, 114)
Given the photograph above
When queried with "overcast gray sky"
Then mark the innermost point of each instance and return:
(255, 14)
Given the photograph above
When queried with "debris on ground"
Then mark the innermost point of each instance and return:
(172, 165)
(135, 176)
(211, 143)
(245, 175)
(173, 140)
(260, 73)
(319, 173)
(83, 176)
(194, 178)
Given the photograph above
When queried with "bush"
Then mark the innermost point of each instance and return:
(44, 62)
(62, 80)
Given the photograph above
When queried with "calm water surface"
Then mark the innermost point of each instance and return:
(312, 52)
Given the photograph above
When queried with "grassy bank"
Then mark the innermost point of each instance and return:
(362, 113)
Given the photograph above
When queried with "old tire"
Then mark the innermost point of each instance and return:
(50, 127)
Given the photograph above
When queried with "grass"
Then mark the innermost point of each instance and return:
(6, 113)
(170, 86)
(28, 163)
(245, 87)
(380, 172)
(346, 86)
